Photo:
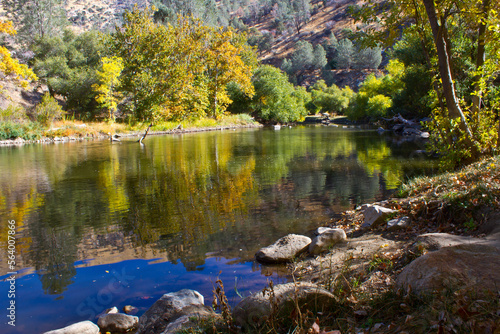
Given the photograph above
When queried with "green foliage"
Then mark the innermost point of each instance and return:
(24, 130)
(451, 142)
(12, 114)
(47, 110)
(68, 66)
(108, 81)
(181, 71)
(368, 58)
(37, 19)
(276, 99)
(375, 95)
(330, 99)
(208, 11)
(319, 60)
(303, 56)
(344, 56)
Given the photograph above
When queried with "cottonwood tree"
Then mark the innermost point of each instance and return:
(178, 71)
(455, 119)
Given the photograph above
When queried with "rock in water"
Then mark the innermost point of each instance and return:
(327, 240)
(173, 312)
(284, 249)
(83, 327)
(117, 322)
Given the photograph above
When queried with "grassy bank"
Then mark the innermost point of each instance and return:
(33, 131)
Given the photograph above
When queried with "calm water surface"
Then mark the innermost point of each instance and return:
(103, 224)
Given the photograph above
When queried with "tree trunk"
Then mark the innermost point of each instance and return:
(444, 61)
(480, 58)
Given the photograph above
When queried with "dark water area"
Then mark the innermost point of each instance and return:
(102, 224)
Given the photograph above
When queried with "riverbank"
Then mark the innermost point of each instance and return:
(429, 265)
(71, 131)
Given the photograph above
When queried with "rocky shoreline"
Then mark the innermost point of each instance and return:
(384, 247)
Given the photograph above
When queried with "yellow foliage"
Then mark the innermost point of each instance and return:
(108, 80)
(11, 67)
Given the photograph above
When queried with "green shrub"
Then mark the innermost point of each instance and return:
(13, 114)
(13, 130)
(47, 110)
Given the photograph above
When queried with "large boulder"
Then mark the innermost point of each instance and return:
(117, 322)
(83, 327)
(375, 215)
(284, 249)
(280, 301)
(326, 240)
(173, 312)
(472, 267)
(435, 241)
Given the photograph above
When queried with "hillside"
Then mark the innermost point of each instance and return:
(326, 18)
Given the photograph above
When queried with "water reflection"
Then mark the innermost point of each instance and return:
(184, 198)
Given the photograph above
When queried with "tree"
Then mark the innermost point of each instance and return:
(68, 66)
(330, 99)
(319, 60)
(10, 67)
(300, 13)
(224, 65)
(276, 99)
(464, 128)
(109, 79)
(344, 54)
(368, 58)
(178, 71)
(37, 18)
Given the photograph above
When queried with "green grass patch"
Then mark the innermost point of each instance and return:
(25, 130)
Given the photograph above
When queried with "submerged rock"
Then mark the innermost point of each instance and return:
(173, 312)
(279, 301)
(284, 249)
(83, 327)
(326, 240)
(117, 322)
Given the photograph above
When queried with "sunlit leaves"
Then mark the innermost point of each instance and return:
(10, 67)
(108, 81)
(179, 71)
(276, 99)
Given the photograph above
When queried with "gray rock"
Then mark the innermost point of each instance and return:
(284, 249)
(117, 322)
(326, 240)
(374, 215)
(398, 223)
(252, 312)
(83, 327)
(173, 311)
(322, 229)
(435, 241)
(468, 267)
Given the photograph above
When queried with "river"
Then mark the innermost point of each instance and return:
(101, 224)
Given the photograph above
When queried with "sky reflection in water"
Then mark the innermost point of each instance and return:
(170, 215)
